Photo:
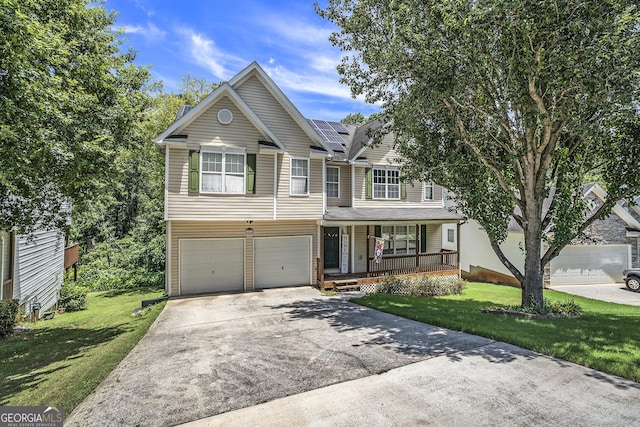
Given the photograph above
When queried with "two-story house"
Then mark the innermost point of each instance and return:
(257, 196)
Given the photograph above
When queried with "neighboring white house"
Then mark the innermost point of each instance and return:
(32, 268)
(608, 247)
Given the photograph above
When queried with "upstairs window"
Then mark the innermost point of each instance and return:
(386, 182)
(299, 181)
(428, 190)
(333, 182)
(223, 172)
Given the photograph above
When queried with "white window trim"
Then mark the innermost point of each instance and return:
(224, 151)
(424, 191)
(386, 184)
(291, 176)
(337, 182)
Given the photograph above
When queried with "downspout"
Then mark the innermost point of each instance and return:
(166, 183)
(324, 185)
(168, 261)
(353, 185)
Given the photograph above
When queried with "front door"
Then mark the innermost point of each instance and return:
(331, 247)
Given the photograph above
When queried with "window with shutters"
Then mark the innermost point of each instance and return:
(222, 172)
(333, 182)
(299, 180)
(386, 182)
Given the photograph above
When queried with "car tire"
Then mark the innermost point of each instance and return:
(633, 284)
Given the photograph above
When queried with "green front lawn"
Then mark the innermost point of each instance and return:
(606, 337)
(62, 360)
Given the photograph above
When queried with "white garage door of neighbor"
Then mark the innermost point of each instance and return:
(211, 265)
(282, 261)
(590, 264)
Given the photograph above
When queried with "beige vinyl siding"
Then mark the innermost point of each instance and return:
(361, 249)
(300, 207)
(182, 205)
(275, 117)
(345, 187)
(434, 238)
(415, 195)
(297, 144)
(207, 130)
(231, 229)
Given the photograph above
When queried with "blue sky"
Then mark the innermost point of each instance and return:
(216, 39)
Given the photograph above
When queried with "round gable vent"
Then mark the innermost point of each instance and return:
(225, 116)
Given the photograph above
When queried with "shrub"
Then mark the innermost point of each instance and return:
(8, 313)
(568, 308)
(424, 286)
(73, 297)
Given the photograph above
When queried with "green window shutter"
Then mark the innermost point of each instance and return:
(423, 238)
(368, 174)
(403, 190)
(194, 171)
(251, 174)
(378, 231)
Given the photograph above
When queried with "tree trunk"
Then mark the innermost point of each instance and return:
(532, 284)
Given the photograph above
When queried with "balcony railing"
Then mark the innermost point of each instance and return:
(413, 263)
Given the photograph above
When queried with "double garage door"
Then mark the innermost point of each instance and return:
(590, 264)
(218, 265)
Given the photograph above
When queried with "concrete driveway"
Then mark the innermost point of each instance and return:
(324, 361)
(616, 292)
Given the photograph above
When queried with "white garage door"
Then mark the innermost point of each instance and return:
(211, 265)
(282, 261)
(589, 264)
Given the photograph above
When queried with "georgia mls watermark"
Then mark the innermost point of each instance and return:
(31, 416)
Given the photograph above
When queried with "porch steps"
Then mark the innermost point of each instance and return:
(346, 285)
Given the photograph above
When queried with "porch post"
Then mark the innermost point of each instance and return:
(321, 257)
(417, 251)
(367, 250)
(458, 248)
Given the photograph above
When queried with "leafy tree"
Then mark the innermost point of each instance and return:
(121, 229)
(354, 119)
(68, 101)
(507, 103)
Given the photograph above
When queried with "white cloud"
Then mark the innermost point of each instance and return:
(326, 84)
(204, 52)
(149, 31)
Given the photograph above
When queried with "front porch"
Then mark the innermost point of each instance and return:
(354, 261)
(424, 265)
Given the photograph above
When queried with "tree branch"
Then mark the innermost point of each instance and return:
(512, 268)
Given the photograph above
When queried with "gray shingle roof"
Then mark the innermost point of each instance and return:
(335, 213)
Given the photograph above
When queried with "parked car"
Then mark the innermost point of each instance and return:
(632, 279)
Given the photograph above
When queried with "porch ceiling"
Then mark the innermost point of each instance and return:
(347, 214)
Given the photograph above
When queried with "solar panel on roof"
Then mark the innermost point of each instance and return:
(329, 134)
(339, 127)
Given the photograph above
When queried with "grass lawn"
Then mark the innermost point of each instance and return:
(62, 360)
(606, 337)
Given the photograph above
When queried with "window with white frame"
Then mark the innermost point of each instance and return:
(399, 239)
(386, 182)
(428, 190)
(333, 181)
(299, 184)
(222, 172)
